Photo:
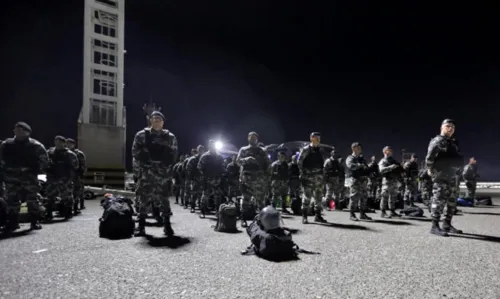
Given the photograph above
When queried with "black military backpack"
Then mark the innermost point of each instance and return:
(228, 217)
(116, 221)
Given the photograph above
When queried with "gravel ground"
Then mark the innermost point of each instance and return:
(379, 259)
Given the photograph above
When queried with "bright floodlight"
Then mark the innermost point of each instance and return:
(218, 145)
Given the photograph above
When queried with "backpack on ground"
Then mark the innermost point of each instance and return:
(228, 217)
(116, 221)
(413, 212)
(274, 245)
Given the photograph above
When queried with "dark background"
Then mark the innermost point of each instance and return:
(381, 74)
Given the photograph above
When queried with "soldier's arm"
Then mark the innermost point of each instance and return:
(241, 156)
(74, 161)
(302, 156)
(432, 153)
(83, 162)
(349, 162)
(202, 164)
(138, 148)
(43, 157)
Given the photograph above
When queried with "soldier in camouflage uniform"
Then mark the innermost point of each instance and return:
(373, 179)
(179, 181)
(78, 186)
(294, 184)
(279, 181)
(21, 160)
(390, 170)
(254, 175)
(233, 180)
(311, 162)
(155, 151)
(63, 166)
(211, 168)
(410, 181)
(194, 176)
(357, 171)
(332, 172)
(426, 187)
(444, 162)
(187, 180)
(470, 176)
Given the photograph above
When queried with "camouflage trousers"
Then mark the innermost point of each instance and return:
(212, 188)
(358, 194)
(411, 188)
(186, 195)
(373, 188)
(471, 189)
(332, 187)
(444, 195)
(279, 189)
(340, 192)
(253, 190)
(294, 188)
(312, 188)
(426, 189)
(153, 187)
(389, 195)
(178, 190)
(78, 187)
(233, 190)
(62, 189)
(195, 193)
(18, 191)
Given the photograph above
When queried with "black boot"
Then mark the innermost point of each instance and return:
(82, 204)
(353, 217)
(76, 211)
(305, 213)
(383, 214)
(447, 227)
(436, 230)
(167, 227)
(363, 216)
(318, 217)
(394, 214)
(34, 224)
(49, 214)
(140, 230)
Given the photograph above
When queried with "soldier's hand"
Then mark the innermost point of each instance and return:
(429, 172)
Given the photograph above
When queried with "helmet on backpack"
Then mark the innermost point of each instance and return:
(269, 218)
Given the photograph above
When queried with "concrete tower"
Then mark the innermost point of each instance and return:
(102, 123)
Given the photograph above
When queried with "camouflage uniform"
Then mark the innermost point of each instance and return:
(187, 183)
(411, 184)
(426, 187)
(311, 162)
(154, 151)
(332, 180)
(254, 164)
(279, 183)
(20, 163)
(78, 185)
(470, 176)
(178, 181)
(63, 166)
(211, 168)
(444, 161)
(232, 174)
(194, 175)
(358, 173)
(390, 170)
(294, 187)
(373, 180)
(340, 191)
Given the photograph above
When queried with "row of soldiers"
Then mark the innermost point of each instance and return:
(201, 177)
(22, 159)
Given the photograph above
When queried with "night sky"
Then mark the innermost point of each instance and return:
(352, 70)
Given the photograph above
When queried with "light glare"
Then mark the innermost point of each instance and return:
(218, 145)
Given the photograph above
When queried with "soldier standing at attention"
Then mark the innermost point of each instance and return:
(390, 170)
(154, 150)
(311, 163)
(443, 162)
(470, 176)
(358, 171)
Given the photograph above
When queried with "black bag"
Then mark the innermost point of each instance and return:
(116, 221)
(228, 217)
(413, 212)
(484, 201)
(276, 244)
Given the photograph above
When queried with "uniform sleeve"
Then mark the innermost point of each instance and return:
(432, 153)
(383, 167)
(74, 161)
(352, 165)
(240, 157)
(43, 157)
(82, 161)
(202, 164)
(302, 156)
(266, 162)
(138, 147)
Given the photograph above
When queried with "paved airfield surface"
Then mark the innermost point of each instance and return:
(380, 259)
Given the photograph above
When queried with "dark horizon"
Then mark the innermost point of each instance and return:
(373, 74)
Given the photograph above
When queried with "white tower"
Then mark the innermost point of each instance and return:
(101, 126)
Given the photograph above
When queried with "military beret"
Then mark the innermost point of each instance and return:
(157, 113)
(23, 126)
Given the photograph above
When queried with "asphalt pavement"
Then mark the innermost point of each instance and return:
(368, 260)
